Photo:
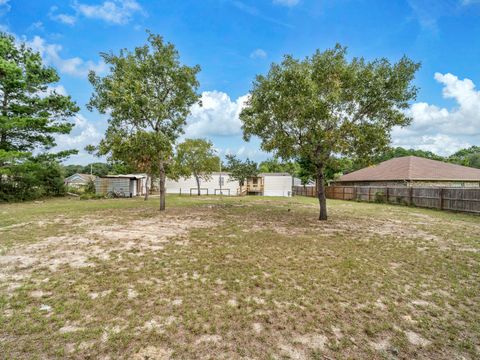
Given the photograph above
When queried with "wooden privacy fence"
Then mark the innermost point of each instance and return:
(304, 191)
(454, 199)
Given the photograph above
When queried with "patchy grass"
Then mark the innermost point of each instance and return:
(237, 278)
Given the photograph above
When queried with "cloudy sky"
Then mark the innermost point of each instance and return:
(233, 40)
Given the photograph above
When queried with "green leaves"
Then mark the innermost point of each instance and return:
(196, 157)
(148, 95)
(29, 115)
(325, 106)
(147, 88)
(240, 170)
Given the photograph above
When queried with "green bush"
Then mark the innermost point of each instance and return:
(76, 190)
(379, 197)
(31, 180)
(90, 188)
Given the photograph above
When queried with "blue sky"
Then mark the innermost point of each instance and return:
(233, 40)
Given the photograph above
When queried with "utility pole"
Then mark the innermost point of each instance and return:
(220, 162)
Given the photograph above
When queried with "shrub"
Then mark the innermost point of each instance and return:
(379, 197)
(90, 188)
(90, 196)
(31, 180)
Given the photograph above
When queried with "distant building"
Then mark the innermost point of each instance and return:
(217, 184)
(266, 184)
(413, 171)
(298, 182)
(128, 185)
(78, 180)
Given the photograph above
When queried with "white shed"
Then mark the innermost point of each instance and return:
(277, 184)
(219, 183)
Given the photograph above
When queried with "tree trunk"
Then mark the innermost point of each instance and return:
(197, 178)
(147, 189)
(321, 193)
(162, 185)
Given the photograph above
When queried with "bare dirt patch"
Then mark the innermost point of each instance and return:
(99, 241)
(153, 353)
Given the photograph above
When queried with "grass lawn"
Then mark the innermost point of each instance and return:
(237, 278)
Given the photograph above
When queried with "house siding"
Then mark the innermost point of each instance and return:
(210, 186)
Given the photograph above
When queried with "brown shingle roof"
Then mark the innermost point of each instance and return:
(413, 168)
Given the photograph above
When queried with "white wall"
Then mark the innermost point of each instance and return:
(212, 185)
(276, 185)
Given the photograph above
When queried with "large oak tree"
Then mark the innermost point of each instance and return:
(325, 105)
(147, 92)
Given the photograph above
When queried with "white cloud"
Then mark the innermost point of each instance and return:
(83, 133)
(113, 11)
(73, 66)
(258, 54)
(219, 115)
(37, 25)
(443, 130)
(288, 3)
(63, 18)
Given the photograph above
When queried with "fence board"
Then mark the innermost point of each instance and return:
(454, 199)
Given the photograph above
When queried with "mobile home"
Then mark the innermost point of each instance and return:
(217, 184)
(265, 184)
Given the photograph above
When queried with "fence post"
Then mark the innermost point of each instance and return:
(343, 193)
(386, 193)
(410, 195)
(369, 193)
(441, 199)
(354, 193)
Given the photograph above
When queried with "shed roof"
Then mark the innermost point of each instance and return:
(127, 176)
(414, 168)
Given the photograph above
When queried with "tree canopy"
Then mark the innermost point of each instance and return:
(30, 117)
(467, 157)
(275, 165)
(326, 105)
(240, 170)
(196, 157)
(147, 95)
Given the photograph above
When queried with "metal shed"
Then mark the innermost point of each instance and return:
(125, 185)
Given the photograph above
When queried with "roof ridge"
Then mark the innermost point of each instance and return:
(409, 171)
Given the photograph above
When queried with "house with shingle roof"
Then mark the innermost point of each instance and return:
(413, 171)
(78, 180)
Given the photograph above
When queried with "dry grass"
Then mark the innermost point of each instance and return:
(237, 278)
